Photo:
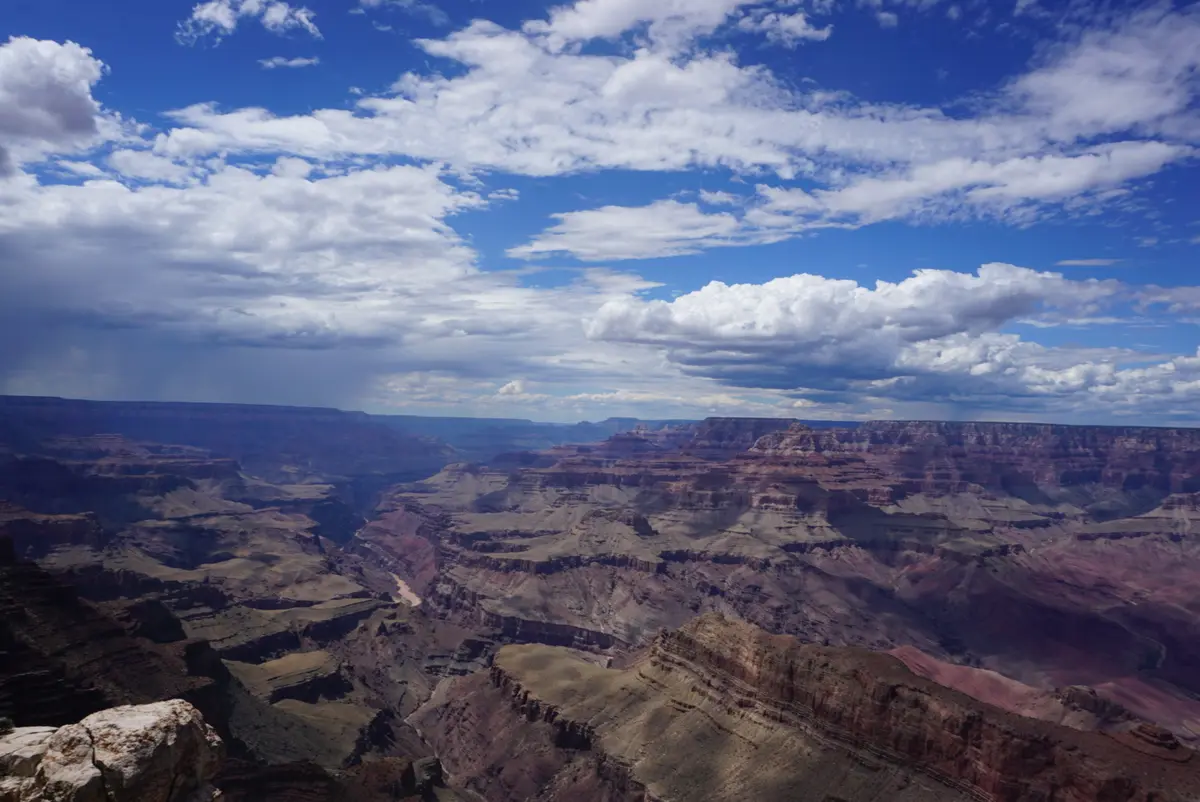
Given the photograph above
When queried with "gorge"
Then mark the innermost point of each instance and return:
(732, 608)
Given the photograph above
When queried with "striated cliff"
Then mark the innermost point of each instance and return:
(1052, 556)
(873, 701)
(720, 710)
(1017, 458)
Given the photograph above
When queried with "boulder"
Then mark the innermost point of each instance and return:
(161, 752)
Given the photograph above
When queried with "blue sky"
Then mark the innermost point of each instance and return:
(827, 209)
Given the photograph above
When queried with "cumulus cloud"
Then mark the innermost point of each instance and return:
(298, 284)
(275, 62)
(1136, 76)
(145, 165)
(1015, 189)
(787, 29)
(524, 102)
(719, 198)
(277, 258)
(887, 19)
(46, 102)
(832, 321)
(314, 258)
(934, 336)
(219, 18)
(665, 228)
(669, 22)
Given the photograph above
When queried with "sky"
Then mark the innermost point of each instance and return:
(837, 209)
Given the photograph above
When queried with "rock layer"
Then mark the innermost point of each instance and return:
(1055, 556)
(720, 710)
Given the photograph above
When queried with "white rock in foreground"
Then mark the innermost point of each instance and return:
(161, 752)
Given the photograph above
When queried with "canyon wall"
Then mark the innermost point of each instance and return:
(721, 710)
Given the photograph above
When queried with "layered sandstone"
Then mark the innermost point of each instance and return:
(721, 710)
(1051, 556)
(954, 457)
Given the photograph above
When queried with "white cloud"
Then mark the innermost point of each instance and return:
(144, 165)
(1138, 76)
(86, 169)
(668, 22)
(887, 19)
(299, 257)
(719, 198)
(1177, 300)
(831, 320)
(665, 228)
(219, 18)
(46, 102)
(1086, 262)
(280, 61)
(787, 29)
(520, 105)
(240, 248)
(934, 336)
(296, 285)
(998, 186)
(1015, 189)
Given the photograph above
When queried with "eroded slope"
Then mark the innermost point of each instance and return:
(720, 710)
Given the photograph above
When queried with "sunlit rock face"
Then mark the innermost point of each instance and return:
(162, 751)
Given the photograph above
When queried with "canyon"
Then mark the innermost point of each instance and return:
(730, 608)
(721, 710)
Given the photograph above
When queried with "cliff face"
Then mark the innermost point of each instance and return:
(61, 658)
(873, 701)
(1055, 556)
(809, 722)
(1011, 457)
(722, 438)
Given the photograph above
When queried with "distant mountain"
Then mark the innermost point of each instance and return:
(481, 439)
(284, 444)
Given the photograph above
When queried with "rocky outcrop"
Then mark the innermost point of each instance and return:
(1023, 458)
(304, 676)
(35, 535)
(61, 658)
(1075, 706)
(809, 722)
(163, 752)
(871, 701)
(722, 438)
